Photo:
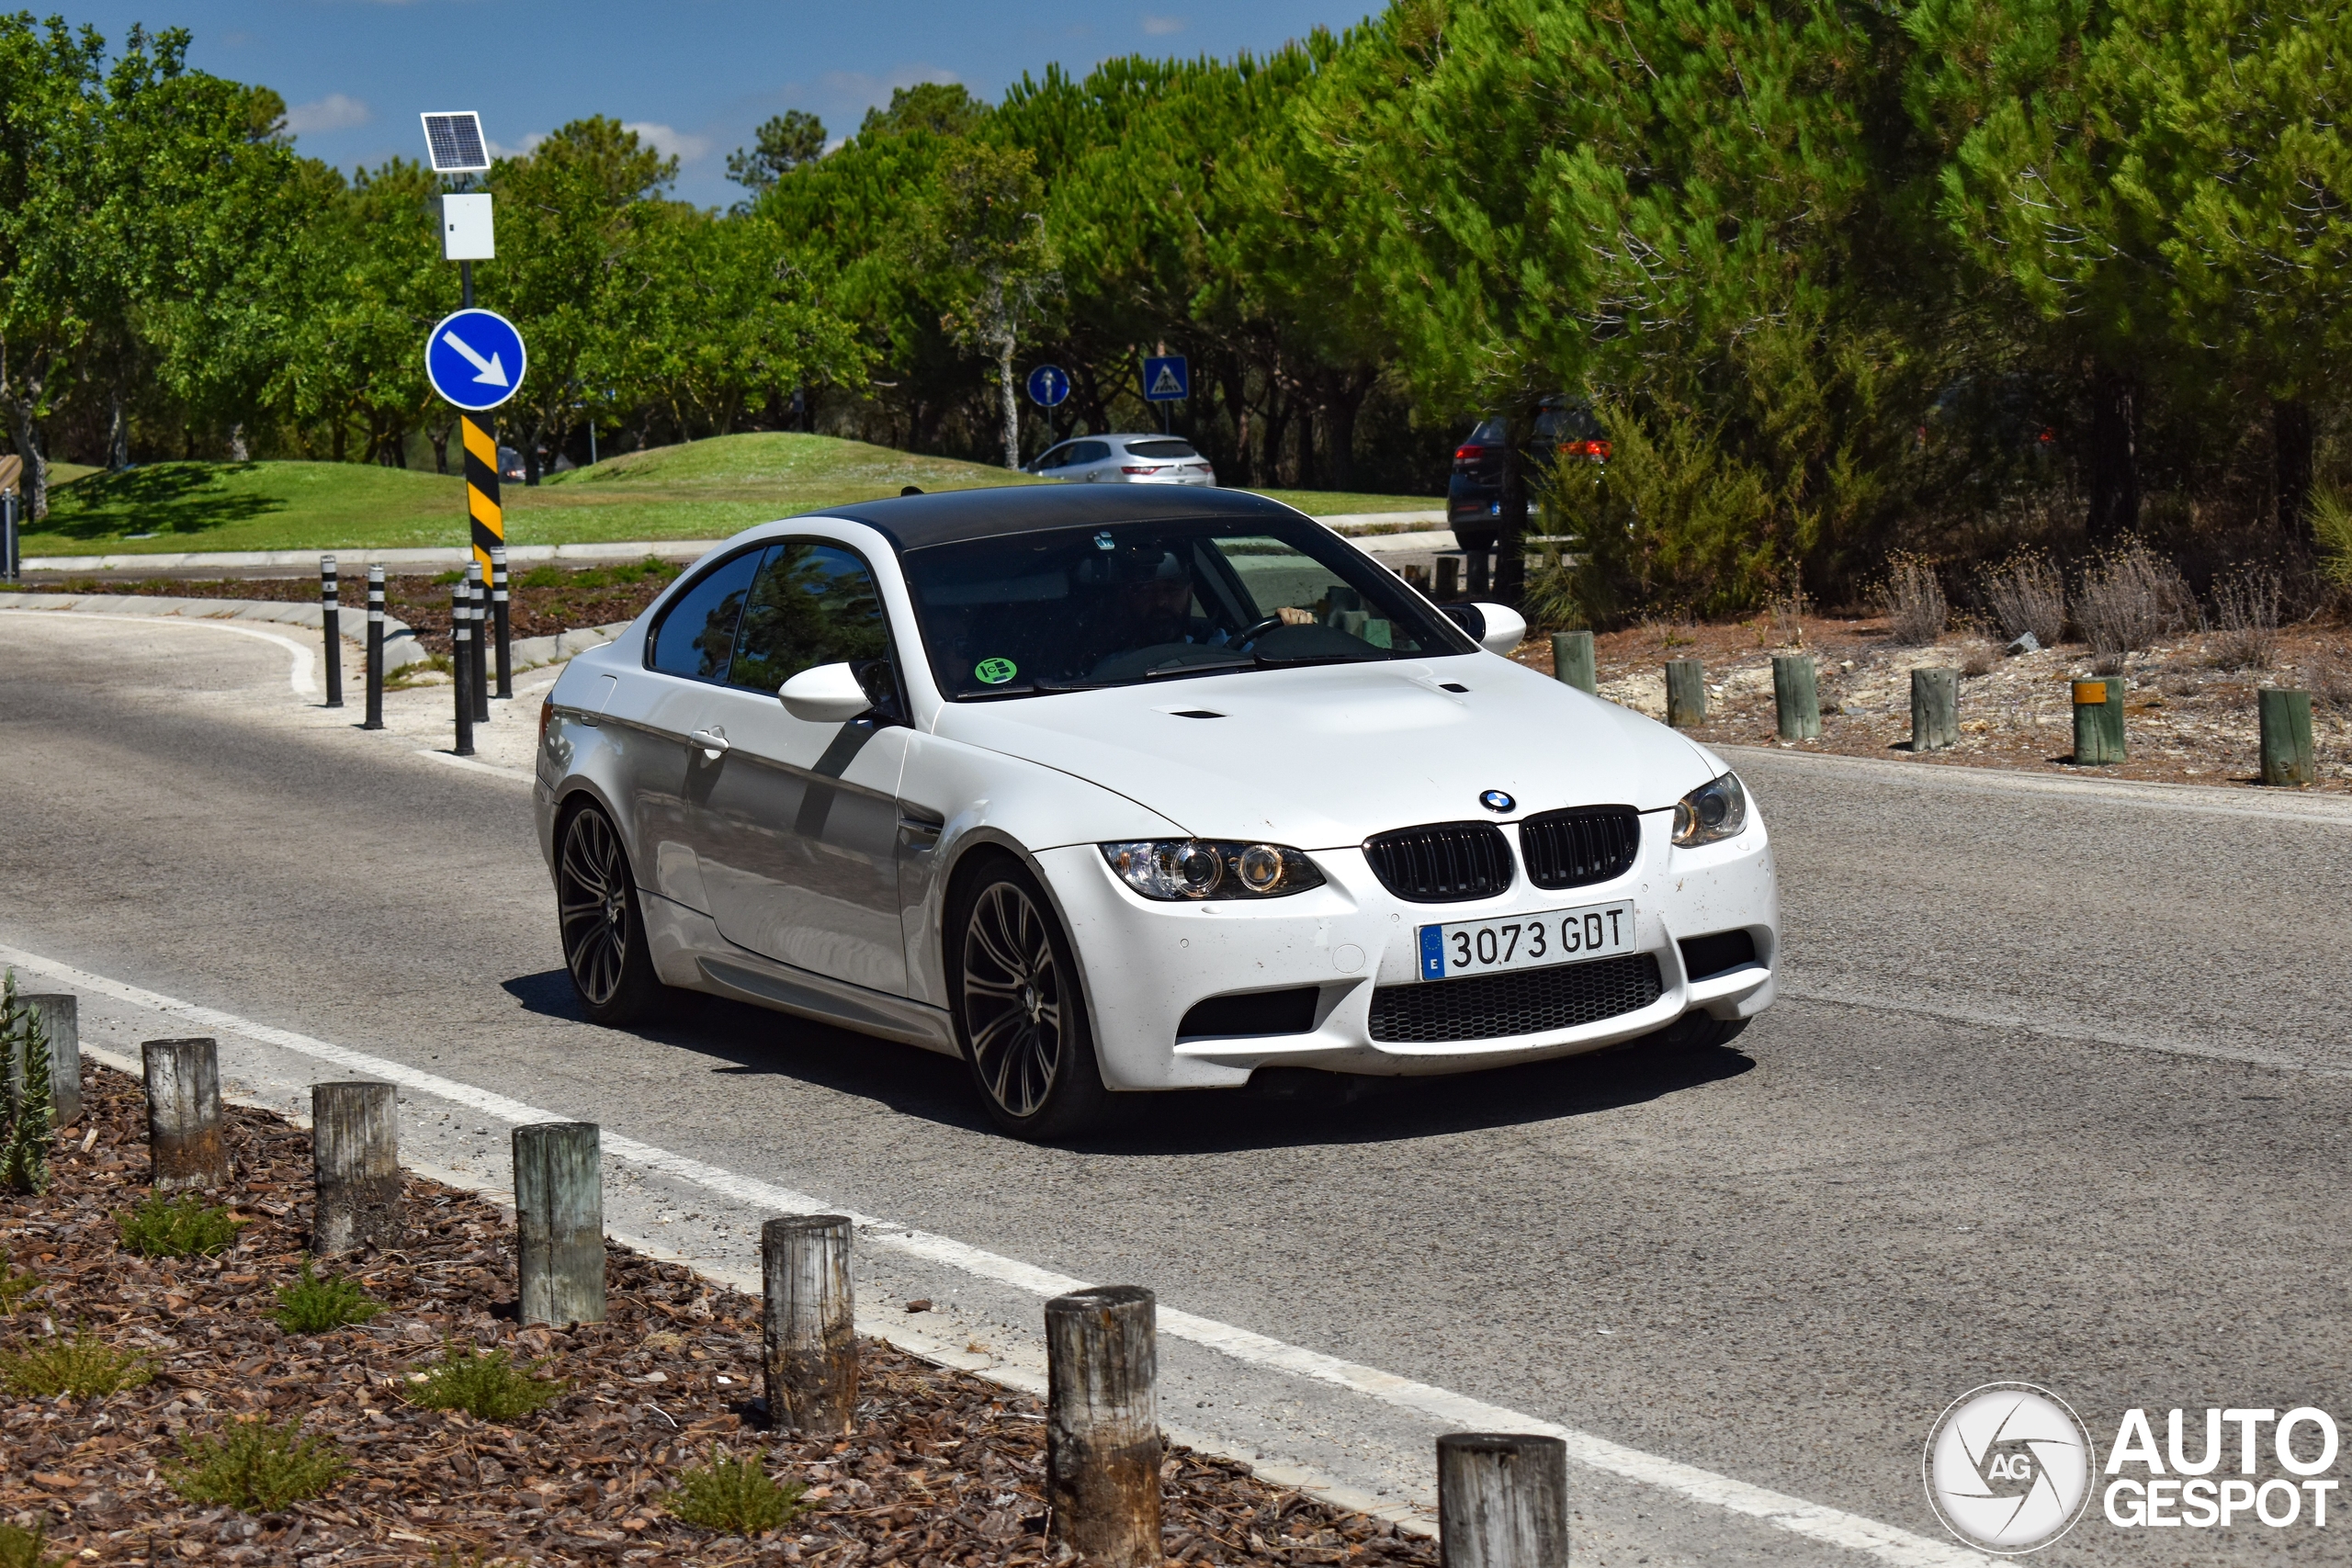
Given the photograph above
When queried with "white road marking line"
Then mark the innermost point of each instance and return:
(1831, 1527)
(469, 763)
(299, 677)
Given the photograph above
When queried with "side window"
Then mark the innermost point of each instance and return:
(1086, 452)
(696, 633)
(814, 604)
(1059, 457)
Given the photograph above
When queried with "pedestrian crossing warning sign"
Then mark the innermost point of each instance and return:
(1165, 380)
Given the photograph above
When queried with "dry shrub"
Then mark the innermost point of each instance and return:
(2331, 683)
(1914, 600)
(1978, 656)
(2130, 597)
(2245, 616)
(2025, 593)
(1789, 610)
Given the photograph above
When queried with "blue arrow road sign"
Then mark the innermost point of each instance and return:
(1166, 380)
(474, 358)
(1048, 385)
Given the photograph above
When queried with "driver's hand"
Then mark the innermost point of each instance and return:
(1296, 617)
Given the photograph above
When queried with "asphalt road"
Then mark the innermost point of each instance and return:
(2057, 1094)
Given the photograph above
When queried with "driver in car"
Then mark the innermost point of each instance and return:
(1157, 608)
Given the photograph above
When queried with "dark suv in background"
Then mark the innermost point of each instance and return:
(1474, 497)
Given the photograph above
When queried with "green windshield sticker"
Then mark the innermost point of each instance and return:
(995, 671)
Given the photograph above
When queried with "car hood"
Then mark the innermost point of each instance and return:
(1326, 756)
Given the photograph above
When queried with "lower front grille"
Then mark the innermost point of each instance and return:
(1523, 1001)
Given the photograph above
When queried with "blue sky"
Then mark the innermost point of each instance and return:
(695, 76)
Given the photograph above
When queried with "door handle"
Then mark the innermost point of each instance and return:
(712, 740)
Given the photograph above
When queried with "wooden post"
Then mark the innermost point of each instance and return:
(1572, 663)
(355, 1152)
(560, 1221)
(2287, 755)
(1449, 578)
(2098, 721)
(1935, 709)
(60, 1019)
(810, 1331)
(1102, 1444)
(1796, 697)
(184, 1114)
(1686, 692)
(1502, 1501)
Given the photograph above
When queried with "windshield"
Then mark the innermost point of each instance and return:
(1068, 609)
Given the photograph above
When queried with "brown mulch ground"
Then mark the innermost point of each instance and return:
(542, 600)
(2189, 717)
(945, 1468)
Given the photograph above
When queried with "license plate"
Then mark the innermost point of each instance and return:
(1526, 941)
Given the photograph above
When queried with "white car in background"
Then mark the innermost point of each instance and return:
(1115, 790)
(1125, 460)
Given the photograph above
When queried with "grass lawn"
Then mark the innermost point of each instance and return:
(703, 489)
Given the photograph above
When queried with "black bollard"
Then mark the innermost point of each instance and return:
(11, 566)
(498, 614)
(331, 620)
(374, 648)
(461, 666)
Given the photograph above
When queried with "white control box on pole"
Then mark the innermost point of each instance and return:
(466, 228)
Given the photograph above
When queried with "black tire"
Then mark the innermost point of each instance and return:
(1020, 1012)
(602, 929)
(1699, 1032)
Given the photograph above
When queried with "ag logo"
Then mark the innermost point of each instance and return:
(2008, 1468)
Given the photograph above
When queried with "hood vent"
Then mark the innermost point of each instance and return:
(1576, 849)
(1444, 862)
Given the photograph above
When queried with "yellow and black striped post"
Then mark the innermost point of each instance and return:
(481, 490)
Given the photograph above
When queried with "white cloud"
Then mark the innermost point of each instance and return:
(337, 111)
(1162, 27)
(671, 142)
(529, 145)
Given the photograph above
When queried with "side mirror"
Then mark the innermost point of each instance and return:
(826, 693)
(1504, 628)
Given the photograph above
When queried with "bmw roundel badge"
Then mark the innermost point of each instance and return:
(1495, 800)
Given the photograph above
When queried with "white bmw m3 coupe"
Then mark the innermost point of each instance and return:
(1128, 788)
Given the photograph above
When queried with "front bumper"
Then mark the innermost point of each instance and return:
(1147, 963)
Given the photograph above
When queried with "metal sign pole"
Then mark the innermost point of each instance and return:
(481, 490)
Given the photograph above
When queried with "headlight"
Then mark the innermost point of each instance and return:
(1714, 810)
(1207, 868)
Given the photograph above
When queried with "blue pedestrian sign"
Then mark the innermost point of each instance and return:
(475, 359)
(1166, 380)
(1048, 385)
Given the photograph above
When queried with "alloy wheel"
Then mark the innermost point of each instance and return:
(1012, 999)
(592, 906)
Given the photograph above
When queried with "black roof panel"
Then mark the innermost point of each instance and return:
(948, 517)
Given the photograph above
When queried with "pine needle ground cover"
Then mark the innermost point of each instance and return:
(647, 1450)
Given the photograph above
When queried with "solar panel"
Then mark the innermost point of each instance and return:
(454, 142)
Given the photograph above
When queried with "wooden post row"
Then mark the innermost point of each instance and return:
(1572, 662)
(184, 1114)
(355, 1152)
(809, 1336)
(1935, 709)
(1502, 1501)
(1686, 692)
(560, 1223)
(1796, 697)
(60, 1020)
(2288, 760)
(1102, 1443)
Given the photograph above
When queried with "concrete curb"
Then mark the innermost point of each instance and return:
(401, 647)
(530, 653)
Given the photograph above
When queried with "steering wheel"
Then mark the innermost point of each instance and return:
(1261, 629)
